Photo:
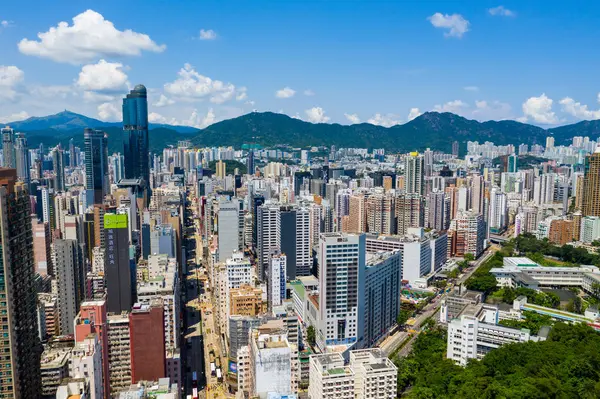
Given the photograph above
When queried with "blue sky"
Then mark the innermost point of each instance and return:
(321, 61)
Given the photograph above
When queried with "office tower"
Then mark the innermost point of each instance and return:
(96, 164)
(300, 178)
(383, 276)
(117, 270)
(22, 157)
(466, 234)
(147, 342)
(512, 161)
(72, 158)
(438, 210)
(250, 162)
(455, 149)
(41, 247)
(58, 166)
(543, 188)
(119, 352)
(221, 171)
(228, 225)
(409, 212)
(20, 350)
(549, 142)
(356, 222)
(8, 148)
(276, 279)
(117, 167)
(69, 277)
(341, 260)
(498, 217)
(136, 144)
(413, 173)
(92, 319)
(591, 185)
(268, 235)
(381, 214)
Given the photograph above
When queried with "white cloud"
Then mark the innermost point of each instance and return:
(103, 76)
(286, 92)
(471, 88)
(110, 112)
(309, 92)
(386, 120)
(207, 34)
(579, 110)
(352, 118)
(539, 110)
(155, 117)
(316, 115)
(95, 97)
(456, 25)
(90, 38)
(10, 78)
(191, 86)
(52, 92)
(6, 24)
(163, 101)
(200, 121)
(456, 107)
(19, 116)
(241, 93)
(501, 11)
(413, 113)
(491, 110)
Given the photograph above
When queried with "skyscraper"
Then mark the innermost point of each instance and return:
(455, 149)
(117, 270)
(67, 256)
(591, 185)
(20, 349)
(413, 173)
(96, 164)
(250, 162)
(22, 157)
(58, 165)
(512, 163)
(135, 134)
(72, 157)
(8, 147)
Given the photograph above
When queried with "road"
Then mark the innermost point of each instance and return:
(393, 342)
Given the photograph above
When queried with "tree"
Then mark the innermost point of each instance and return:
(403, 316)
(310, 335)
(469, 257)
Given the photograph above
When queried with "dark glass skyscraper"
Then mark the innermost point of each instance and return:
(135, 134)
(96, 164)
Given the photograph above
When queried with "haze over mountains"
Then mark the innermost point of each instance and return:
(432, 129)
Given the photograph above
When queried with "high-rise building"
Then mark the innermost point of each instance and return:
(276, 279)
(549, 142)
(590, 229)
(543, 188)
(561, 231)
(221, 171)
(72, 157)
(96, 164)
(428, 162)
(413, 173)
(380, 214)
(119, 352)
(136, 145)
(20, 350)
(512, 161)
(229, 231)
(591, 185)
(69, 277)
(22, 157)
(438, 210)
(498, 217)
(147, 342)
(356, 221)
(250, 162)
(466, 234)
(455, 149)
(58, 165)
(118, 272)
(117, 169)
(342, 262)
(41, 247)
(409, 212)
(8, 148)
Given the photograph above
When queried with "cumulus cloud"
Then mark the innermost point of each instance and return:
(413, 113)
(191, 86)
(471, 88)
(456, 106)
(386, 120)
(16, 117)
(316, 115)
(198, 120)
(578, 110)
(241, 93)
(501, 11)
(10, 78)
(309, 92)
(286, 92)
(163, 101)
(539, 110)
(491, 110)
(103, 77)
(207, 34)
(352, 118)
(455, 24)
(89, 38)
(110, 112)
(155, 117)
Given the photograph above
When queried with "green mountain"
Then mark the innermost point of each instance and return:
(432, 129)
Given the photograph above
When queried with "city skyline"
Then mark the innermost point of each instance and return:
(214, 67)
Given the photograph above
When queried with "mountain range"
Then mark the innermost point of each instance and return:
(431, 129)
